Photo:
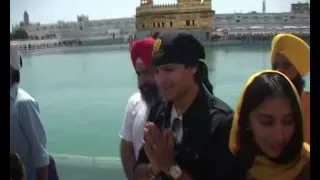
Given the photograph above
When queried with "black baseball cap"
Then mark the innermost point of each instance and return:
(179, 47)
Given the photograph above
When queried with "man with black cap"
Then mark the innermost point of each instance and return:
(188, 132)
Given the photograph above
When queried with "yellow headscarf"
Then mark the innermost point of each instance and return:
(295, 49)
(263, 168)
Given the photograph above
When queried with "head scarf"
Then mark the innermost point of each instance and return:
(295, 49)
(141, 50)
(15, 59)
(263, 168)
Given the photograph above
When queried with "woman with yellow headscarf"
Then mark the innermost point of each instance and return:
(266, 137)
(291, 56)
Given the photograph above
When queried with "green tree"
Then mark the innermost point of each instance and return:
(19, 34)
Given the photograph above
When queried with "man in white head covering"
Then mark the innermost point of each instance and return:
(15, 57)
(15, 66)
(27, 135)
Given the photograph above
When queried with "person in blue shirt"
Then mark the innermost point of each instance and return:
(27, 135)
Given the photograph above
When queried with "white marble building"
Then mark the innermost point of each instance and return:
(83, 28)
(267, 20)
(121, 28)
(298, 16)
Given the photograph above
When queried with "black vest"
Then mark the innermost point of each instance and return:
(199, 123)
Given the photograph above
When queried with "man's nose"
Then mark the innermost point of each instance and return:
(142, 79)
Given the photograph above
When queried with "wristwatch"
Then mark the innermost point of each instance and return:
(175, 172)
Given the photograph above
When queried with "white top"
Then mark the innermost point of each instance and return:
(179, 132)
(136, 115)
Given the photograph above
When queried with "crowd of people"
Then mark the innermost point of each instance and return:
(45, 45)
(176, 128)
(256, 37)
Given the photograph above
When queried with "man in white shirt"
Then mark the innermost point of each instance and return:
(137, 109)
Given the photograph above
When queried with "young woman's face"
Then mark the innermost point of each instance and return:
(272, 124)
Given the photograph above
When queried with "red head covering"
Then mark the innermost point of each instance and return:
(142, 49)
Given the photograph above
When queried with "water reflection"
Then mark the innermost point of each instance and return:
(84, 66)
(26, 59)
(210, 60)
(78, 50)
(307, 85)
(211, 63)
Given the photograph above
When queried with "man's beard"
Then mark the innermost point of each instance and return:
(149, 93)
(299, 83)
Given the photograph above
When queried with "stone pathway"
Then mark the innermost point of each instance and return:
(87, 168)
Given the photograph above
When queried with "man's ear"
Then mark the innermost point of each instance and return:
(194, 70)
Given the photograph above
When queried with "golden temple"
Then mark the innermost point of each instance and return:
(193, 15)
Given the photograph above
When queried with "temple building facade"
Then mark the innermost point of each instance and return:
(196, 16)
(300, 7)
(82, 29)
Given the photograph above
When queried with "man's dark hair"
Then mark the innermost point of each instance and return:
(155, 35)
(15, 76)
(202, 75)
(266, 86)
(299, 83)
(17, 170)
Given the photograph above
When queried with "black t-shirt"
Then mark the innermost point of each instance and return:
(204, 146)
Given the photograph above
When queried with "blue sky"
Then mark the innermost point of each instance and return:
(50, 11)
